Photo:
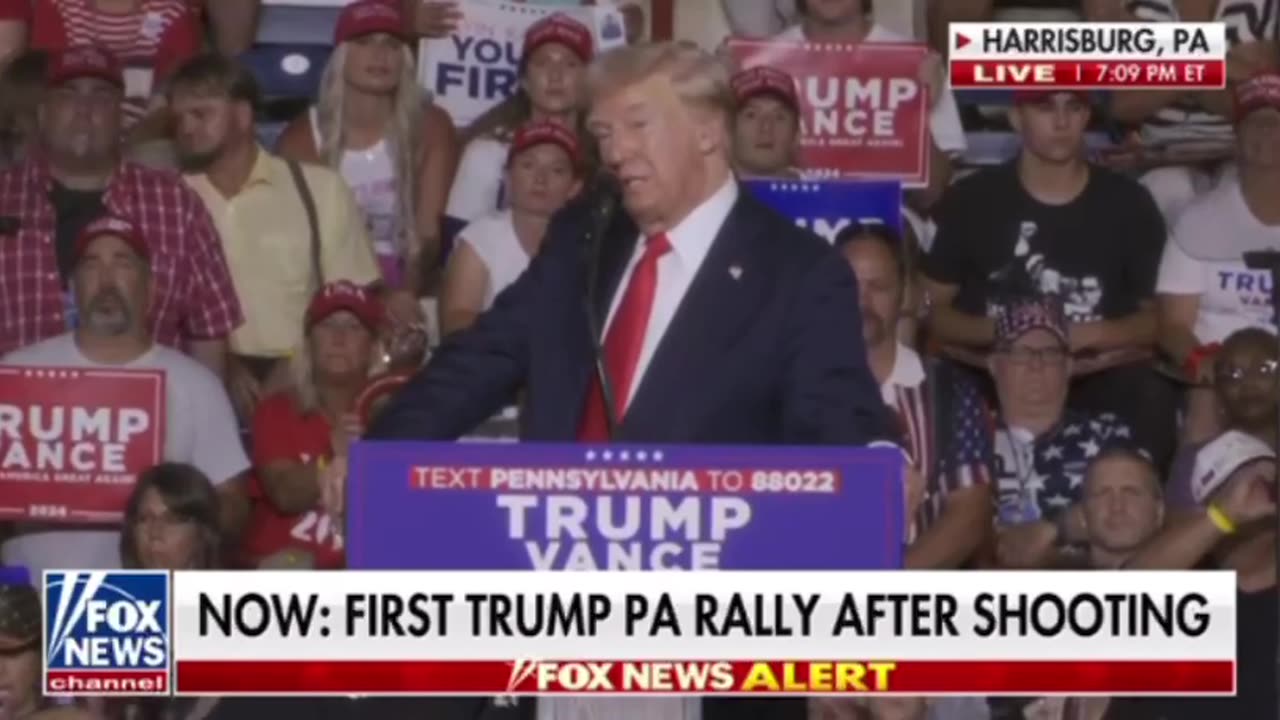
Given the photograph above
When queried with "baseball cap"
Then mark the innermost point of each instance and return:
(558, 28)
(765, 80)
(120, 227)
(80, 61)
(1218, 459)
(1022, 315)
(544, 131)
(365, 17)
(1258, 92)
(1021, 97)
(19, 617)
(345, 295)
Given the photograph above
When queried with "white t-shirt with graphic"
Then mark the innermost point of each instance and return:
(944, 119)
(1232, 297)
(200, 430)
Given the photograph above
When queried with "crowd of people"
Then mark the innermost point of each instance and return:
(1081, 364)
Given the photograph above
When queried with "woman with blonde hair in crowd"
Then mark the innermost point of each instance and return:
(297, 431)
(553, 66)
(373, 124)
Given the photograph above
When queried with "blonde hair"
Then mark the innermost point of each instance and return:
(404, 136)
(699, 78)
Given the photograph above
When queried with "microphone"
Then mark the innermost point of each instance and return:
(602, 203)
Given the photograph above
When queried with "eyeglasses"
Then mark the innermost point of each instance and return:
(1265, 371)
(1034, 356)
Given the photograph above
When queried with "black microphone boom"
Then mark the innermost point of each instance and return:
(603, 203)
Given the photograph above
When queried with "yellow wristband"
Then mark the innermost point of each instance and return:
(1220, 520)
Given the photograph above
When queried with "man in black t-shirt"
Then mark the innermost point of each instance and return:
(1051, 223)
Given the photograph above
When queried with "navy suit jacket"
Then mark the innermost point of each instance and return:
(765, 348)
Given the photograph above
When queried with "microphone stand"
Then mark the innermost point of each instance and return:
(604, 204)
(1269, 260)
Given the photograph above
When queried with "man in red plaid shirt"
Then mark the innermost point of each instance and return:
(77, 175)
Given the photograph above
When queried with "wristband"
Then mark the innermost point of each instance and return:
(1220, 519)
(1196, 358)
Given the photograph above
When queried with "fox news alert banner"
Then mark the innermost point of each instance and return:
(72, 441)
(694, 633)
(534, 506)
(1088, 55)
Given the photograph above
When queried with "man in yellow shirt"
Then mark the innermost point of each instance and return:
(286, 229)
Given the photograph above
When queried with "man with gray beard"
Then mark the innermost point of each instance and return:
(111, 282)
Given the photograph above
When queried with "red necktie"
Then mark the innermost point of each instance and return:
(623, 342)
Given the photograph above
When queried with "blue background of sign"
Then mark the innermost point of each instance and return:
(391, 525)
(833, 200)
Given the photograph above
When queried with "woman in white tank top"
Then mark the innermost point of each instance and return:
(552, 64)
(543, 171)
(372, 124)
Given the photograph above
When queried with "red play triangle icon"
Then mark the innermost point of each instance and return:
(961, 41)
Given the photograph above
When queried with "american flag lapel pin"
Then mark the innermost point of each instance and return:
(735, 272)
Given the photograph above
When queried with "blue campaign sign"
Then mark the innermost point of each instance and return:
(437, 506)
(827, 207)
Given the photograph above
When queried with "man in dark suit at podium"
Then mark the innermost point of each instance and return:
(720, 321)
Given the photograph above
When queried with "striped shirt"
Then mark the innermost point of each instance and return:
(1246, 21)
(960, 459)
(151, 42)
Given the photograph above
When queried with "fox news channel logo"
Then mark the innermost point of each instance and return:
(106, 633)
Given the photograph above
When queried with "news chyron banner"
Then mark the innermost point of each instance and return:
(628, 633)
(1088, 55)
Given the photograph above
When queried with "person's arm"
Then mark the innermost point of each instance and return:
(1136, 331)
(234, 24)
(233, 507)
(958, 532)
(15, 21)
(753, 18)
(950, 325)
(475, 186)
(466, 278)
(212, 353)
(477, 371)
(210, 310)
(829, 395)
(922, 199)
(435, 179)
(297, 142)
(292, 487)
(1183, 542)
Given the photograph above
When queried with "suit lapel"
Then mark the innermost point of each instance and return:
(722, 299)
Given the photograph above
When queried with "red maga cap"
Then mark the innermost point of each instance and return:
(763, 79)
(80, 61)
(559, 28)
(114, 225)
(544, 131)
(1258, 92)
(345, 295)
(365, 17)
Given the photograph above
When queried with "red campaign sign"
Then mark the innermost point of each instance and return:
(73, 441)
(864, 111)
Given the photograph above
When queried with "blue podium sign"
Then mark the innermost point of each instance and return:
(448, 506)
(826, 207)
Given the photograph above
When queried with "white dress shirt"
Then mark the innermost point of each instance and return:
(690, 242)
